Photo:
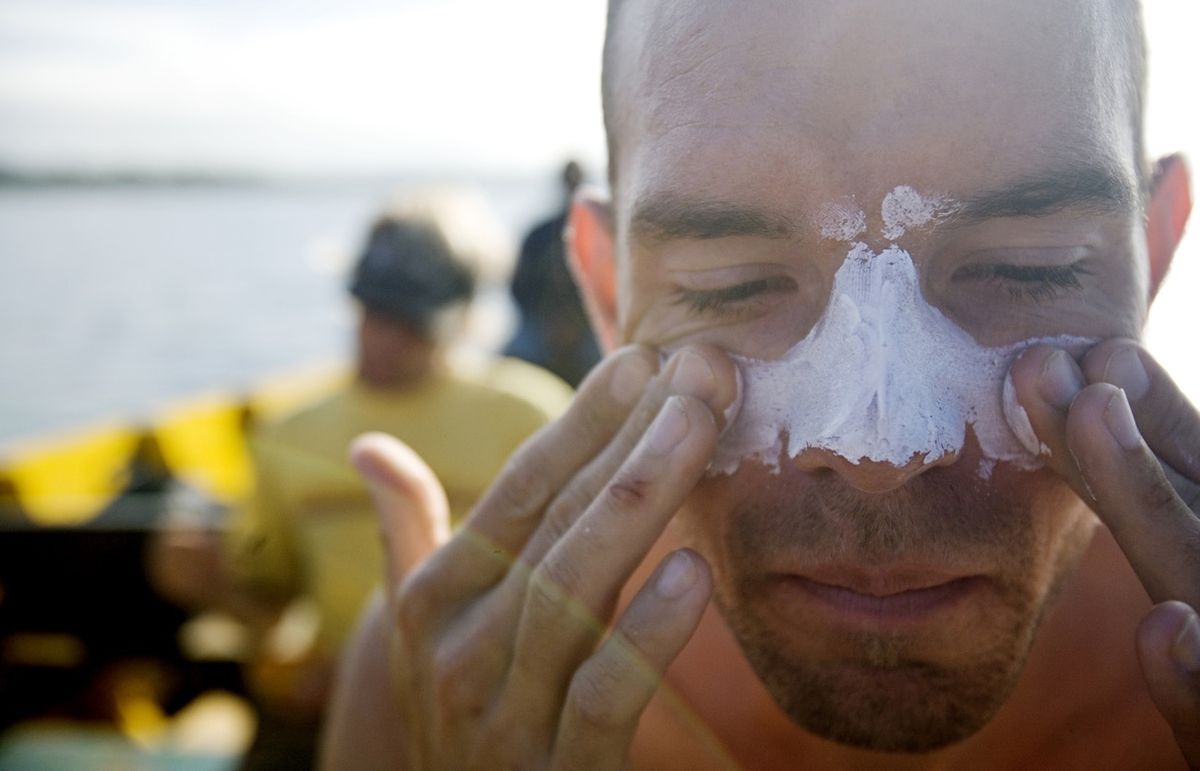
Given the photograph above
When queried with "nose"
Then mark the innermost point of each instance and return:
(871, 476)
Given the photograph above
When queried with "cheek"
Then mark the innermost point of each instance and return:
(1054, 531)
(709, 515)
(1062, 525)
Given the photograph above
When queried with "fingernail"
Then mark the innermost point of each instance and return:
(677, 576)
(1186, 648)
(1060, 380)
(669, 427)
(1018, 419)
(1120, 422)
(693, 376)
(630, 379)
(1125, 370)
(731, 412)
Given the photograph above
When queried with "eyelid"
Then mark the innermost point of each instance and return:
(725, 277)
(990, 261)
(1048, 256)
(736, 298)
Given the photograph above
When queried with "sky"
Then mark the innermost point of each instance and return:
(358, 85)
(345, 87)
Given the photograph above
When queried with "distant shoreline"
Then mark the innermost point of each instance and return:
(68, 179)
(31, 179)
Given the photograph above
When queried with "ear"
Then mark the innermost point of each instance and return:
(592, 257)
(1166, 215)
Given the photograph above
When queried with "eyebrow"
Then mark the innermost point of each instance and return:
(669, 218)
(1091, 189)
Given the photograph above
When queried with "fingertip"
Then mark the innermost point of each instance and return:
(385, 460)
(707, 373)
(366, 452)
(397, 478)
(1172, 630)
(1168, 647)
(1036, 394)
(682, 572)
(1088, 428)
(632, 370)
(1118, 361)
(1162, 626)
(1118, 418)
(1029, 363)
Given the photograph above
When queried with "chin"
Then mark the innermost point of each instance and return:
(886, 691)
(896, 622)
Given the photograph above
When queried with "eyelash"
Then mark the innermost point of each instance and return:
(729, 300)
(1024, 282)
(1031, 282)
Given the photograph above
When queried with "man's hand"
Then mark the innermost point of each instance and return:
(1128, 441)
(499, 636)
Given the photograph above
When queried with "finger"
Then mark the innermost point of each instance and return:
(482, 551)
(572, 593)
(1129, 491)
(1046, 380)
(702, 372)
(1168, 421)
(609, 692)
(1168, 644)
(413, 514)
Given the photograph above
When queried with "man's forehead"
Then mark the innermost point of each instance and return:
(857, 96)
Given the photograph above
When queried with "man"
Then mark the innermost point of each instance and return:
(554, 331)
(934, 612)
(308, 539)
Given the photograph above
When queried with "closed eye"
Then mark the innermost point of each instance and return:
(1033, 282)
(726, 301)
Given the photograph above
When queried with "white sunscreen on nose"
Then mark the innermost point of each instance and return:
(883, 376)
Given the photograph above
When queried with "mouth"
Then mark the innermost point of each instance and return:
(888, 596)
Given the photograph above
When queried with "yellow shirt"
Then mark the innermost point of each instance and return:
(310, 528)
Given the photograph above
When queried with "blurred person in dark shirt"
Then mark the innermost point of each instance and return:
(554, 331)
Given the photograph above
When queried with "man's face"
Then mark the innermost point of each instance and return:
(900, 619)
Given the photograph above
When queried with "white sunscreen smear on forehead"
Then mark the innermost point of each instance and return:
(842, 220)
(883, 376)
(905, 208)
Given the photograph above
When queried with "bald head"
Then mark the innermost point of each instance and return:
(1086, 54)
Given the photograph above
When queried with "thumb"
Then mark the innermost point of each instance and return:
(414, 516)
(1168, 644)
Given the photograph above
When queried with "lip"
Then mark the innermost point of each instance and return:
(891, 595)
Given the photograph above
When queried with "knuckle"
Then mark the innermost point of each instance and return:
(503, 744)
(1162, 504)
(550, 587)
(1191, 496)
(410, 617)
(627, 491)
(593, 696)
(456, 680)
(523, 482)
(561, 515)
(589, 418)
(415, 603)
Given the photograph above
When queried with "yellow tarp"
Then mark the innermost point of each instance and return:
(65, 479)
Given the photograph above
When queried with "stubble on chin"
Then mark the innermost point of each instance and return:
(883, 693)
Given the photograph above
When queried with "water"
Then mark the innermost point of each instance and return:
(115, 300)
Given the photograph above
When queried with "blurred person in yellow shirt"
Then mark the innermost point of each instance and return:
(306, 547)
